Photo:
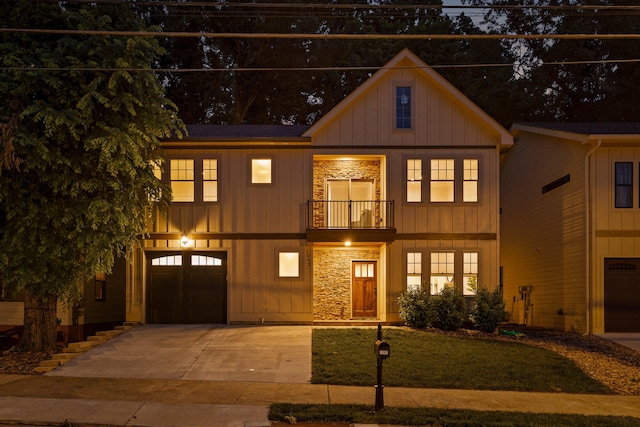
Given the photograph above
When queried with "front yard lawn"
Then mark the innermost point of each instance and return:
(428, 360)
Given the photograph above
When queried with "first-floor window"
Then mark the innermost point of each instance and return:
(414, 271)
(470, 273)
(101, 287)
(289, 264)
(442, 269)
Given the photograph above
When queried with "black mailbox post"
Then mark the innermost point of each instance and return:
(382, 351)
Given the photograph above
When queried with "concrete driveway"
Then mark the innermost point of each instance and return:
(200, 352)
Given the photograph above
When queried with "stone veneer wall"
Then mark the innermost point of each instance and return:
(341, 169)
(332, 281)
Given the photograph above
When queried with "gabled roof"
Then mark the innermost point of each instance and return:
(581, 131)
(408, 59)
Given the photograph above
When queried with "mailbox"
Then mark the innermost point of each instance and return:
(382, 349)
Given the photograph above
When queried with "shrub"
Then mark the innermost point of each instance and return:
(488, 310)
(450, 308)
(416, 308)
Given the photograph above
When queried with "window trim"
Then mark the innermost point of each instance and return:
(408, 180)
(278, 260)
(272, 168)
(412, 106)
(192, 180)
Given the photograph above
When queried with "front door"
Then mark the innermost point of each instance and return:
(364, 289)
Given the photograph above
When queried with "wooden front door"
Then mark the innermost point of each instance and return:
(364, 289)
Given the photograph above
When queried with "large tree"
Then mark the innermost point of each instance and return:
(81, 118)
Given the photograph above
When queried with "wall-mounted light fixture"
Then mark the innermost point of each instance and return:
(347, 243)
(185, 242)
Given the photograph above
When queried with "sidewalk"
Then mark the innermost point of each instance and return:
(162, 402)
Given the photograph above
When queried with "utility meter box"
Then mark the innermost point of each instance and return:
(382, 349)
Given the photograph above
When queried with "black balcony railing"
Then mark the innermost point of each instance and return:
(350, 214)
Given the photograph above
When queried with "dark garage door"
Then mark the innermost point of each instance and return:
(186, 287)
(622, 295)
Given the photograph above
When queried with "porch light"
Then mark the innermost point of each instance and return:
(185, 241)
(347, 243)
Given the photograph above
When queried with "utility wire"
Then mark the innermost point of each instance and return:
(323, 36)
(280, 69)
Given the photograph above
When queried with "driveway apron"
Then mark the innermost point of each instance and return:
(276, 354)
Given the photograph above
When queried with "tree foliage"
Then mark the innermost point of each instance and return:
(83, 133)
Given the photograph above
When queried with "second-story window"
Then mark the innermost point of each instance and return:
(414, 180)
(624, 185)
(403, 107)
(470, 180)
(210, 180)
(261, 171)
(182, 180)
(442, 180)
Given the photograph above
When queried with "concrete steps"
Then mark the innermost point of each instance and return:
(75, 349)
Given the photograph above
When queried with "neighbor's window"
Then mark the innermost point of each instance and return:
(414, 180)
(441, 271)
(289, 264)
(261, 171)
(182, 180)
(101, 287)
(470, 273)
(442, 176)
(414, 271)
(470, 181)
(210, 180)
(403, 107)
(624, 185)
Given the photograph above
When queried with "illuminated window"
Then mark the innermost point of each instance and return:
(414, 180)
(441, 271)
(261, 171)
(442, 176)
(288, 264)
(101, 287)
(470, 273)
(170, 260)
(624, 185)
(205, 261)
(414, 271)
(403, 107)
(182, 180)
(470, 182)
(210, 180)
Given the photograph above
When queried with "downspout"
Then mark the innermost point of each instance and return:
(588, 230)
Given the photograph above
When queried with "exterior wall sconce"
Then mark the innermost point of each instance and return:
(185, 242)
(347, 243)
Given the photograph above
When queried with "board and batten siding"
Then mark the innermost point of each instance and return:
(543, 242)
(439, 120)
(615, 230)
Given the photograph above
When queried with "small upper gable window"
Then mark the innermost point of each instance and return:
(403, 107)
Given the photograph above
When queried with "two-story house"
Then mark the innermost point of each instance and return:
(396, 187)
(571, 226)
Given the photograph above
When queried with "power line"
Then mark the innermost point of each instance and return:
(324, 36)
(296, 69)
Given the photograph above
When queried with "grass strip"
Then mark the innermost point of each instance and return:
(427, 360)
(363, 414)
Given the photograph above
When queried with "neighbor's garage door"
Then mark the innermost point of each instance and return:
(621, 295)
(186, 287)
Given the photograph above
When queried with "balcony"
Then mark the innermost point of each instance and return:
(352, 220)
